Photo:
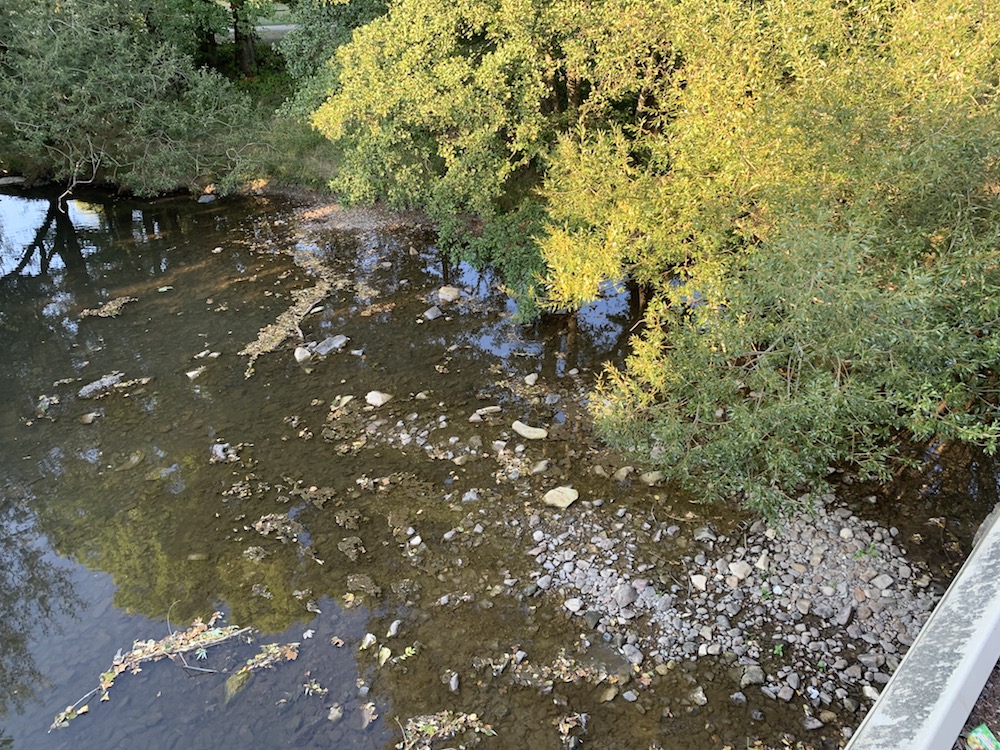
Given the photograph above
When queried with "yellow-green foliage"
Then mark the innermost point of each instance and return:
(809, 188)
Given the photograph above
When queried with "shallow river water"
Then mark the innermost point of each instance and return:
(218, 471)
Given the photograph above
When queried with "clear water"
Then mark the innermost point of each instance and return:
(125, 528)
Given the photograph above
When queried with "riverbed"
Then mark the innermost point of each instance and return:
(309, 421)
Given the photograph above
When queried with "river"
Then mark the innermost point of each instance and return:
(349, 480)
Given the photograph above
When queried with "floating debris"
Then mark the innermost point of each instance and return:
(279, 524)
(110, 309)
(269, 655)
(198, 637)
(111, 382)
(421, 731)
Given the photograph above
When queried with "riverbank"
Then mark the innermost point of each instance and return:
(412, 479)
(814, 614)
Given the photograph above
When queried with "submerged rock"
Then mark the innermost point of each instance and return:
(99, 386)
(528, 432)
(331, 344)
(449, 294)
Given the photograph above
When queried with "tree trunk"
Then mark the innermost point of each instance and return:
(246, 57)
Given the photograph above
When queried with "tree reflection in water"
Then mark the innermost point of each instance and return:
(34, 593)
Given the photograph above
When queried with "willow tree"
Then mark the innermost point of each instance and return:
(816, 212)
(808, 189)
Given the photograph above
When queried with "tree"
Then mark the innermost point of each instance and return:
(94, 91)
(820, 226)
(807, 190)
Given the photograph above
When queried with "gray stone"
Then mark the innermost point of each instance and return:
(651, 477)
(528, 432)
(698, 697)
(433, 313)
(786, 693)
(883, 581)
(752, 675)
(844, 616)
(377, 398)
(625, 595)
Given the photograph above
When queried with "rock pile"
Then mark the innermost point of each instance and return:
(822, 609)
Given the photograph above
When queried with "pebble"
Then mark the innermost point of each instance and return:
(561, 497)
(302, 354)
(741, 569)
(632, 654)
(377, 398)
(528, 432)
(433, 313)
(447, 294)
(753, 588)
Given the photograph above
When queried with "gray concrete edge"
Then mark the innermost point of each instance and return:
(929, 697)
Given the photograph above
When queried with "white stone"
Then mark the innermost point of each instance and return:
(699, 581)
(449, 294)
(741, 569)
(531, 379)
(528, 432)
(377, 398)
(651, 477)
(573, 605)
(561, 497)
(302, 354)
(433, 313)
